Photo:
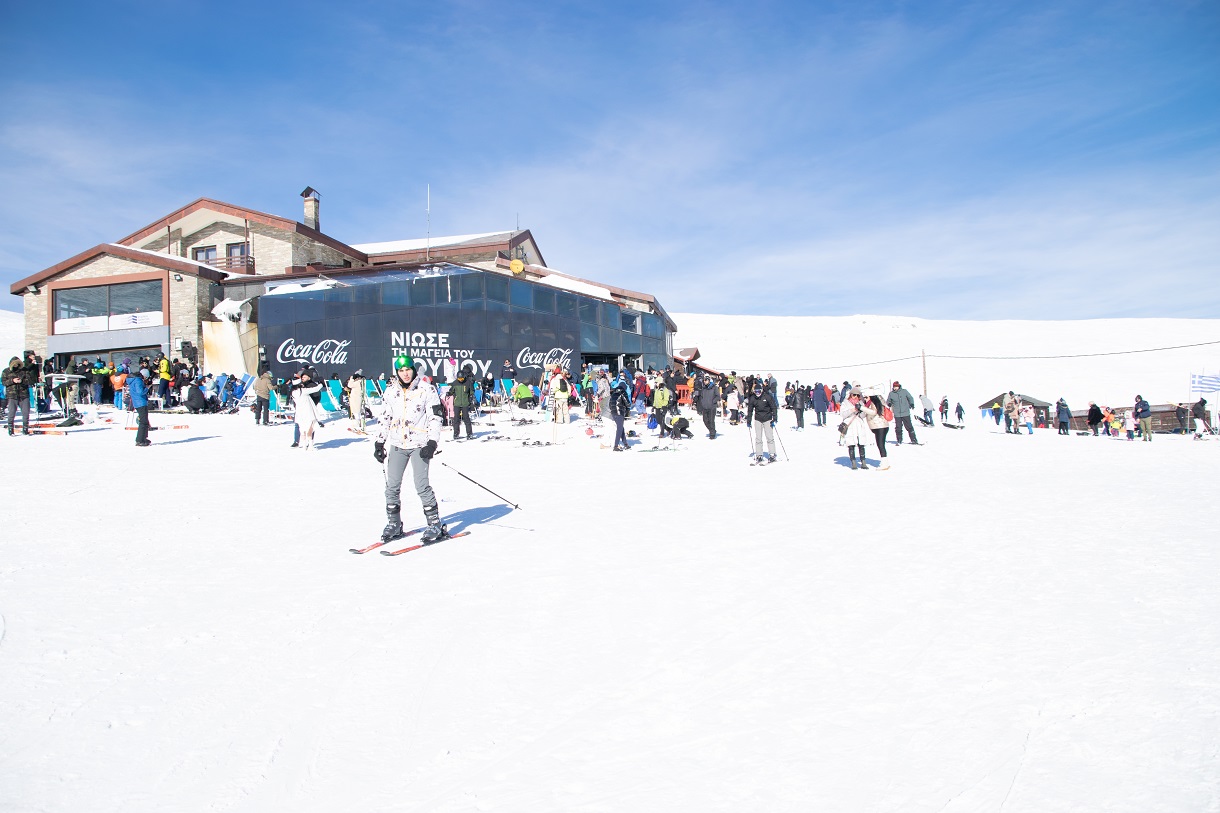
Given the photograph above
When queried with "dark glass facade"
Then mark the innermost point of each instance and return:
(452, 317)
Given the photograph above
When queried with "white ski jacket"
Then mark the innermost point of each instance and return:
(407, 420)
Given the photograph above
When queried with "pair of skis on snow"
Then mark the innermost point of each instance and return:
(410, 548)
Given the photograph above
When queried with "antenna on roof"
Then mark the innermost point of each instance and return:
(428, 237)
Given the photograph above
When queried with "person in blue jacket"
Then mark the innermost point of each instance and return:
(137, 391)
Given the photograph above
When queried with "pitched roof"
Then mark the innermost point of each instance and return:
(440, 248)
(166, 261)
(242, 213)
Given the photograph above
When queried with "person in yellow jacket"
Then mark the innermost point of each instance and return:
(161, 369)
(660, 405)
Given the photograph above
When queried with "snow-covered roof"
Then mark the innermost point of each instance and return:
(421, 243)
(557, 280)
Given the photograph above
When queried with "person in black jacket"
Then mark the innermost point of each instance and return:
(1094, 417)
(620, 408)
(1199, 412)
(761, 409)
(800, 402)
(462, 392)
(17, 391)
(707, 401)
(508, 375)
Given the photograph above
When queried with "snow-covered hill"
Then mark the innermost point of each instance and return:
(994, 622)
(837, 349)
(12, 335)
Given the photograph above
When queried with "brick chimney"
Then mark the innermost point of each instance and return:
(313, 202)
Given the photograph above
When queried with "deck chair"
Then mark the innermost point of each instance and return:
(336, 391)
(243, 389)
(219, 384)
(278, 405)
(327, 401)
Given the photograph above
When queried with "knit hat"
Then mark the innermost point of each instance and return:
(896, 384)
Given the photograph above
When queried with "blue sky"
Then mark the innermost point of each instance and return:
(944, 160)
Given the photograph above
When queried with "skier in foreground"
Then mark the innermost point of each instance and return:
(762, 407)
(407, 433)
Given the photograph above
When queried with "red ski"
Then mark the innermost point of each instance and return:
(376, 545)
(424, 544)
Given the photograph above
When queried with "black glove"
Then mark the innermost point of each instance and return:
(428, 450)
(379, 452)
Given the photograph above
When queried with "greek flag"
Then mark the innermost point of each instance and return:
(1204, 383)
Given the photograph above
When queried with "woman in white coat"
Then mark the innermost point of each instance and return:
(854, 414)
(306, 413)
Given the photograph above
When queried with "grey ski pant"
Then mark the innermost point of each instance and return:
(761, 428)
(16, 405)
(396, 463)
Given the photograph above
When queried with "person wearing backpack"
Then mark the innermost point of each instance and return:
(462, 392)
(620, 408)
(660, 404)
(559, 390)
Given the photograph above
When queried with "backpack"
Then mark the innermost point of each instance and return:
(652, 421)
(563, 385)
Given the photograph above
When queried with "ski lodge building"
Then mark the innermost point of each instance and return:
(235, 289)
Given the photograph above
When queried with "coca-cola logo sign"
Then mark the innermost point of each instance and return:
(556, 355)
(327, 351)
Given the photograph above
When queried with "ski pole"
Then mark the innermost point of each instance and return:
(480, 485)
(781, 445)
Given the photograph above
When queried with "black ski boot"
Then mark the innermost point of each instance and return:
(851, 452)
(393, 529)
(863, 462)
(435, 529)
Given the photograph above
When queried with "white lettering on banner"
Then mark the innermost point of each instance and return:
(556, 355)
(327, 351)
(419, 339)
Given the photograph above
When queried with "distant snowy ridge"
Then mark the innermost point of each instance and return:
(12, 335)
(833, 349)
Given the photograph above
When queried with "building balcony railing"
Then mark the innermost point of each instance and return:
(242, 264)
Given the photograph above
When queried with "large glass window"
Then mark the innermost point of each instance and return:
(590, 340)
(610, 317)
(448, 290)
(396, 293)
(78, 303)
(631, 321)
(423, 292)
(632, 343)
(204, 254)
(472, 286)
(497, 288)
(588, 311)
(652, 326)
(611, 340)
(108, 300)
(544, 299)
(523, 327)
(566, 305)
(499, 331)
(522, 294)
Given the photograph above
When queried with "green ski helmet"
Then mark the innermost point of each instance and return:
(403, 361)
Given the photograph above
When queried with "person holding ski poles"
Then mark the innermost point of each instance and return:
(762, 407)
(407, 434)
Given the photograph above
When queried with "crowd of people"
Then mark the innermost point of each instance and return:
(650, 397)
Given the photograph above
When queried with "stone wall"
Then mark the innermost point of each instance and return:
(36, 306)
